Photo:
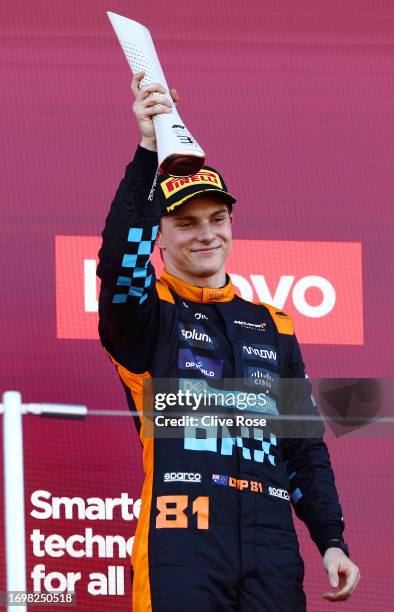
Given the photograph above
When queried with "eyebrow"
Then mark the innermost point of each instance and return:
(187, 217)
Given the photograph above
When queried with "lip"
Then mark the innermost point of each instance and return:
(206, 250)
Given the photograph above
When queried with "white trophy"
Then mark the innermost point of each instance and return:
(178, 152)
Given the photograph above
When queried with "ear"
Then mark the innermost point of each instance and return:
(159, 240)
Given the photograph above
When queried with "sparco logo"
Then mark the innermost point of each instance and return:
(182, 477)
(276, 492)
(251, 351)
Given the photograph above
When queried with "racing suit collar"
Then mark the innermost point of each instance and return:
(198, 294)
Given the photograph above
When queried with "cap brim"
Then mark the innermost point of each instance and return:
(227, 197)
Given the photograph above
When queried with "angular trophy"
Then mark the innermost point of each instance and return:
(178, 152)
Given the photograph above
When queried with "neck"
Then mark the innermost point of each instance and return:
(192, 292)
(218, 279)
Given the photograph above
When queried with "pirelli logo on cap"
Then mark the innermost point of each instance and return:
(206, 177)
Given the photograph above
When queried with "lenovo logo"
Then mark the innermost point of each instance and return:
(307, 279)
(289, 287)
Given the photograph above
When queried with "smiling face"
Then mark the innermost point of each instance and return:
(195, 241)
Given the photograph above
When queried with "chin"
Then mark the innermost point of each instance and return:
(208, 267)
(208, 270)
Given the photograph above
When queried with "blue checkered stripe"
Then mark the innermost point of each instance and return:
(259, 455)
(136, 279)
(297, 493)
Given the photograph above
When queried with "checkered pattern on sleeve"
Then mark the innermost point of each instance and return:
(136, 279)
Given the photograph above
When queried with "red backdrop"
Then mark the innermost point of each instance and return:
(293, 102)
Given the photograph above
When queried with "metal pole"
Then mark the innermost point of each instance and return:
(14, 497)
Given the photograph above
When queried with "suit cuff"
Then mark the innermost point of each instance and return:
(324, 535)
(145, 162)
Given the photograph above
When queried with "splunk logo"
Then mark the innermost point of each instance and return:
(260, 351)
(196, 336)
(308, 279)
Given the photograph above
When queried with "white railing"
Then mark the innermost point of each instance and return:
(14, 493)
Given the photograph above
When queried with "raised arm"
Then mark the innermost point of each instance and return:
(128, 303)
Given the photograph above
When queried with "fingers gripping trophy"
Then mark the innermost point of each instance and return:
(178, 152)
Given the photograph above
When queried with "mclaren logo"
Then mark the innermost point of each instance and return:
(249, 325)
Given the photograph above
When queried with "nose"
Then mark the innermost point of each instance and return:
(205, 233)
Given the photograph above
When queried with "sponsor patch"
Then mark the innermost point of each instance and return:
(187, 360)
(200, 315)
(196, 336)
(237, 483)
(277, 492)
(182, 477)
(265, 352)
(262, 378)
(249, 325)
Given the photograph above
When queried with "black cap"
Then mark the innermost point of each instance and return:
(174, 192)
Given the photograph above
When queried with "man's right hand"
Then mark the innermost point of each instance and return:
(146, 106)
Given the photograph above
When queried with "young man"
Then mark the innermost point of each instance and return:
(215, 531)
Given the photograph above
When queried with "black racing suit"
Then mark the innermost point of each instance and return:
(215, 531)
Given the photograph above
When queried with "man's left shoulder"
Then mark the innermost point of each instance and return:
(282, 320)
